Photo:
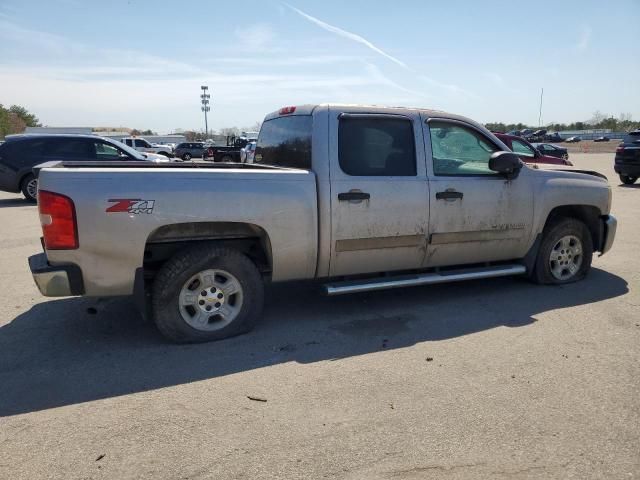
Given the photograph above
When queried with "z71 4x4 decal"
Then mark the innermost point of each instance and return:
(130, 205)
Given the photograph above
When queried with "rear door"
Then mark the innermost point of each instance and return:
(379, 193)
(476, 215)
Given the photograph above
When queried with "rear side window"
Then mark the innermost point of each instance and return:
(19, 153)
(285, 142)
(376, 146)
(68, 148)
(182, 145)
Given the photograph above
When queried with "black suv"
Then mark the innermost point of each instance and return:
(627, 162)
(20, 153)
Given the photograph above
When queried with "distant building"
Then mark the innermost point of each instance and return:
(82, 130)
(117, 135)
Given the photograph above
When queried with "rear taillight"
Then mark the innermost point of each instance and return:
(619, 149)
(58, 220)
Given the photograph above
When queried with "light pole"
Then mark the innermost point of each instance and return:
(204, 99)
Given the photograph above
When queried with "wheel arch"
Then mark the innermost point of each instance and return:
(250, 239)
(587, 214)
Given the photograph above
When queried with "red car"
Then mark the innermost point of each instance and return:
(527, 152)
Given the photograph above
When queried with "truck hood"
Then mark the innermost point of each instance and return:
(565, 168)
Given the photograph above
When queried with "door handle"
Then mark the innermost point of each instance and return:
(448, 195)
(350, 196)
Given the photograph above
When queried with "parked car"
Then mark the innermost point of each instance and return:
(371, 209)
(627, 159)
(20, 153)
(553, 138)
(247, 153)
(550, 150)
(231, 153)
(575, 139)
(142, 145)
(188, 150)
(601, 139)
(527, 152)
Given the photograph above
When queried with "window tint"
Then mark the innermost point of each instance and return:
(458, 150)
(19, 153)
(72, 148)
(128, 142)
(182, 145)
(376, 146)
(285, 142)
(141, 143)
(522, 148)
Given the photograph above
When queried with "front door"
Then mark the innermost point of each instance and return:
(379, 193)
(476, 215)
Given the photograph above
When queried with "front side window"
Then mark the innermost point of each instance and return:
(522, 148)
(459, 150)
(373, 146)
(285, 142)
(73, 148)
(142, 143)
(104, 151)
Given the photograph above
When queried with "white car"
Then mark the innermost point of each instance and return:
(143, 145)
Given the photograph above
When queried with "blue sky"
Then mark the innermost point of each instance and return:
(140, 63)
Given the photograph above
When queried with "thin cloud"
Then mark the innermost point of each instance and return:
(349, 35)
(585, 38)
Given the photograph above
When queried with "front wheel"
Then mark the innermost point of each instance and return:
(186, 157)
(207, 293)
(565, 156)
(565, 253)
(628, 179)
(226, 159)
(29, 188)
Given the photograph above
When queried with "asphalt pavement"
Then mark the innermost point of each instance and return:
(497, 378)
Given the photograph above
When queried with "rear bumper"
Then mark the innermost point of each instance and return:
(631, 169)
(55, 281)
(610, 227)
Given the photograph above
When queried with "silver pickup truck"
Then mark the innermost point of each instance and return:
(363, 197)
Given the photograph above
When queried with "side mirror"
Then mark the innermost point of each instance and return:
(506, 163)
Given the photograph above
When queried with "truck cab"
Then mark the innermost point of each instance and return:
(143, 145)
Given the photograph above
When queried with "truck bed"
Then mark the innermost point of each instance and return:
(278, 201)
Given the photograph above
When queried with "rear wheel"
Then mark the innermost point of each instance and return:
(226, 159)
(29, 188)
(565, 156)
(565, 253)
(628, 179)
(207, 293)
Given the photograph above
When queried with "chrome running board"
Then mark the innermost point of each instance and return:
(380, 283)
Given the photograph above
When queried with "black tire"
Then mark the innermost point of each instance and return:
(628, 179)
(185, 264)
(24, 186)
(226, 159)
(556, 230)
(186, 157)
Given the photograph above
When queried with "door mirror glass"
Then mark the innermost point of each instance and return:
(505, 163)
